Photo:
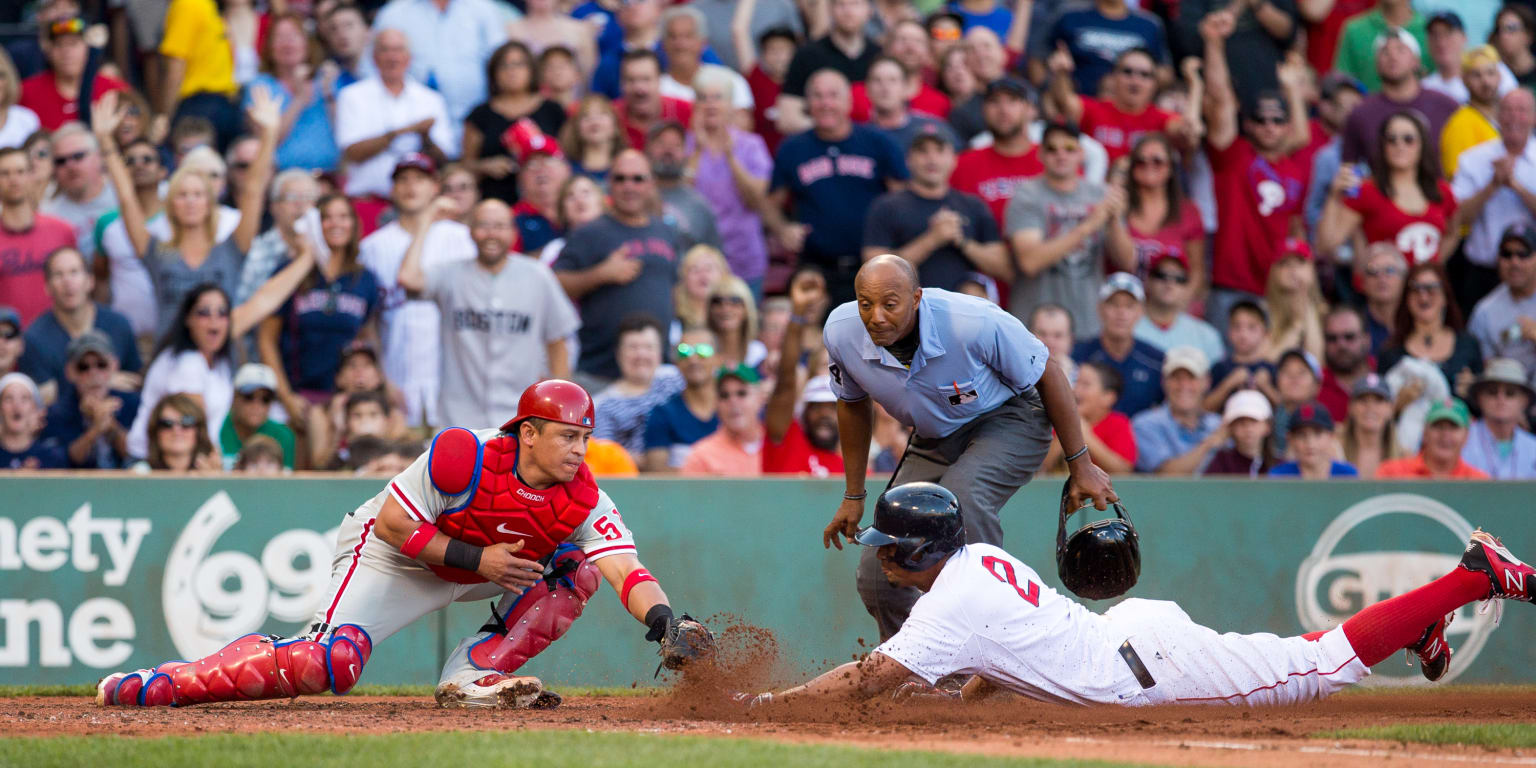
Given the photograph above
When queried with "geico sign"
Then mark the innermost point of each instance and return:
(208, 597)
(1332, 586)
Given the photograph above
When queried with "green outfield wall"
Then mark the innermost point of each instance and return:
(100, 573)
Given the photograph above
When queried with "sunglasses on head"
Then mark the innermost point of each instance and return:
(86, 366)
(702, 351)
(1169, 277)
(185, 420)
(624, 178)
(727, 300)
(211, 312)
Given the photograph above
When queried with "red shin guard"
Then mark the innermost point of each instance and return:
(1383, 629)
(538, 618)
(252, 667)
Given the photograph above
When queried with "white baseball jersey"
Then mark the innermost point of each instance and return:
(988, 614)
(409, 327)
(375, 586)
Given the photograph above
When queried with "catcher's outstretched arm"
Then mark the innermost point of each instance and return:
(644, 592)
(875, 675)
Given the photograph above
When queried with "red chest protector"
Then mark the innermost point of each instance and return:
(502, 509)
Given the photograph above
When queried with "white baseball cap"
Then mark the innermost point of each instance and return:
(1247, 404)
(818, 389)
(1186, 359)
(1122, 282)
(255, 376)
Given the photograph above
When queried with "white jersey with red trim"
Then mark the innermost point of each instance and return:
(989, 614)
(602, 534)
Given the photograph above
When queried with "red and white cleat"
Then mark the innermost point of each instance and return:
(496, 691)
(1433, 651)
(1510, 578)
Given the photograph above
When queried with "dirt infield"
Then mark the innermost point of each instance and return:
(1178, 736)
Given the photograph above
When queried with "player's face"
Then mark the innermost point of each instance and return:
(1184, 390)
(896, 575)
(558, 449)
(366, 419)
(1295, 381)
(819, 420)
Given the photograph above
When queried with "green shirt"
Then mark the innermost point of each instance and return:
(230, 443)
(1357, 46)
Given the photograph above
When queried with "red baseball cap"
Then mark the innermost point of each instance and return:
(524, 140)
(417, 161)
(1295, 246)
(1178, 256)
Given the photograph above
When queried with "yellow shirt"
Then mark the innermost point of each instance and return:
(1466, 128)
(194, 33)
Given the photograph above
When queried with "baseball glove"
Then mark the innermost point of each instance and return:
(684, 642)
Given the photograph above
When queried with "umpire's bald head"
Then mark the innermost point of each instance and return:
(887, 292)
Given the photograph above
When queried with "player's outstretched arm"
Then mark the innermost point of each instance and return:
(874, 675)
(683, 640)
(1088, 481)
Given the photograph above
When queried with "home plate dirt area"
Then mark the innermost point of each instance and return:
(1001, 726)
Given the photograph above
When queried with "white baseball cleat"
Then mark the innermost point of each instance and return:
(496, 691)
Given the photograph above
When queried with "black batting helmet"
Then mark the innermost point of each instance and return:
(1102, 559)
(921, 519)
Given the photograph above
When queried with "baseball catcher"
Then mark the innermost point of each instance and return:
(985, 613)
(511, 513)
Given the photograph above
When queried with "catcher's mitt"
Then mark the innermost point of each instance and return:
(684, 641)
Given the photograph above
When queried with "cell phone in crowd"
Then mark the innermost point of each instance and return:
(1362, 172)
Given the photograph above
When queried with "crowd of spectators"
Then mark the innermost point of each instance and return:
(1265, 237)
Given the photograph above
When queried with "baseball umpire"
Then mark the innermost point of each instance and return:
(986, 613)
(979, 391)
(510, 512)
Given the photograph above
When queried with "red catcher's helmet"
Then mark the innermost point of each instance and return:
(554, 400)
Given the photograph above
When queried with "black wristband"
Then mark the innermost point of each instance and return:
(462, 554)
(656, 618)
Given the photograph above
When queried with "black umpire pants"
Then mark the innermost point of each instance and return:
(983, 463)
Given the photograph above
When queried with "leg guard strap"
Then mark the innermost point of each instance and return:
(540, 615)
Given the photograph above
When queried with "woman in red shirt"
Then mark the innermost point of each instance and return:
(1404, 202)
(1161, 221)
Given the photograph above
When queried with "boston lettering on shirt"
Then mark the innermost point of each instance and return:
(1417, 236)
(993, 176)
(834, 183)
(1260, 203)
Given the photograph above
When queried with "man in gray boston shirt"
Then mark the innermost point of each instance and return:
(977, 387)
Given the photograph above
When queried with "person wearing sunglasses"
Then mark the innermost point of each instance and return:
(1128, 112)
(92, 416)
(70, 285)
(1080, 31)
(82, 194)
(26, 236)
(1159, 217)
(1429, 328)
(1497, 443)
(673, 427)
(736, 448)
(12, 343)
(1261, 166)
(1380, 274)
(54, 93)
(178, 438)
(1167, 323)
(22, 444)
(1398, 64)
(800, 422)
(255, 390)
(1504, 322)
(1514, 31)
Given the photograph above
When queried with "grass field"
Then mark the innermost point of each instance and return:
(1497, 735)
(593, 750)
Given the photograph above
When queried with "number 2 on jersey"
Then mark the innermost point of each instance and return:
(1002, 570)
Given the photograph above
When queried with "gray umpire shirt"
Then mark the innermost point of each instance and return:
(495, 329)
